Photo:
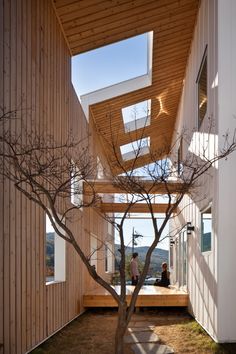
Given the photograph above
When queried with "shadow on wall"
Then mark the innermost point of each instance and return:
(208, 297)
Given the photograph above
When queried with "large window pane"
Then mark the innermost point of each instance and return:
(202, 91)
(206, 230)
(55, 254)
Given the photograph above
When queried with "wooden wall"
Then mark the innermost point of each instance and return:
(35, 81)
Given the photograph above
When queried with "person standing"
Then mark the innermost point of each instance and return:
(134, 268)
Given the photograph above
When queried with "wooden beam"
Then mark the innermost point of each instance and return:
(108, 187)
(137, 208)
(92, 24)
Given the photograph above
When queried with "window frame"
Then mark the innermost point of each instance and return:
(108, 262)
(100, 169)
(180, 158)
(59, 255)
(200, 71)
(135, 149)
(76, 183)
(138, 120)
(204, 211)
(94, 249)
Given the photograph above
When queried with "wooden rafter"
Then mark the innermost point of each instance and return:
(91, 24)
(136, 208)
(107, 187)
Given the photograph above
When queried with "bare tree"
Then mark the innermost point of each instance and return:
(171, 177)
(48, 172)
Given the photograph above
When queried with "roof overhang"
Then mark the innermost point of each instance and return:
(91, 24)
(123, 87)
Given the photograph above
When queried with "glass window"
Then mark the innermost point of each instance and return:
(76, 187)
(202, 90)
(55, 254)
(137, 116)
(108, 257)
(50, 251)
(110, 64)
(135, 149)
(93, 250)
(100, 169)
(180, 158)
(206, 230)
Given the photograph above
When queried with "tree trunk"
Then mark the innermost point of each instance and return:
(121, 329)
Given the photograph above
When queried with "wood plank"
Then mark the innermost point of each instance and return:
(108, 187)
(104, 18)
(65, 7)
(78, 16)
(137, 208)
(19, 228)
(13, 220)
(118, 23)
(7, 186)
(148, 296)
(79, 45)
(23, 92)
(36, 83)
(172, 24)
(1, 186)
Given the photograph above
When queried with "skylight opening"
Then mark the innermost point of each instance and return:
(135, 149)
(137, 116)
(111, 64)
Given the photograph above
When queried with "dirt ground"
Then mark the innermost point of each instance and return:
(93, 333)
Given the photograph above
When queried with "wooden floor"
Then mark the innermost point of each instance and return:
(149, 296)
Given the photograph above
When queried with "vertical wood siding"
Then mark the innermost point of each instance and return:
(35, 81)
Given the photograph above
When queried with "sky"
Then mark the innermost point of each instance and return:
(143, 227)
(111, 64)
(106, 66)
(137, 111)
(49, 227)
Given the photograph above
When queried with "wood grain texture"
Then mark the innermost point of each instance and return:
(92, 24)
(148, 296)
(35, 81)
(137, 208)
(108, 187)
(1, 194)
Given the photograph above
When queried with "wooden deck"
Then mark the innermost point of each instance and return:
(149, 296)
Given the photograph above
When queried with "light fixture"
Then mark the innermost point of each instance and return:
(190, 228)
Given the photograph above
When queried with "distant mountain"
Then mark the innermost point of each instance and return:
(50, 237)
(158, 257)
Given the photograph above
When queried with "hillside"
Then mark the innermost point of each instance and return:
(50, 254)
(159, 255)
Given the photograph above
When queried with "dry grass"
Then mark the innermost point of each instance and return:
(93, 333)
(190, 337)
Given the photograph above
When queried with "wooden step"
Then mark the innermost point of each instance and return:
(149, 296)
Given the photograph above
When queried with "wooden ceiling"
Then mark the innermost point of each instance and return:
(89, 24)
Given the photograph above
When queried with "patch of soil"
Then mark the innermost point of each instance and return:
(93, 333)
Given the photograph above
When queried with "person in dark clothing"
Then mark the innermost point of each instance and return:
(134, 268)
(165, 276)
